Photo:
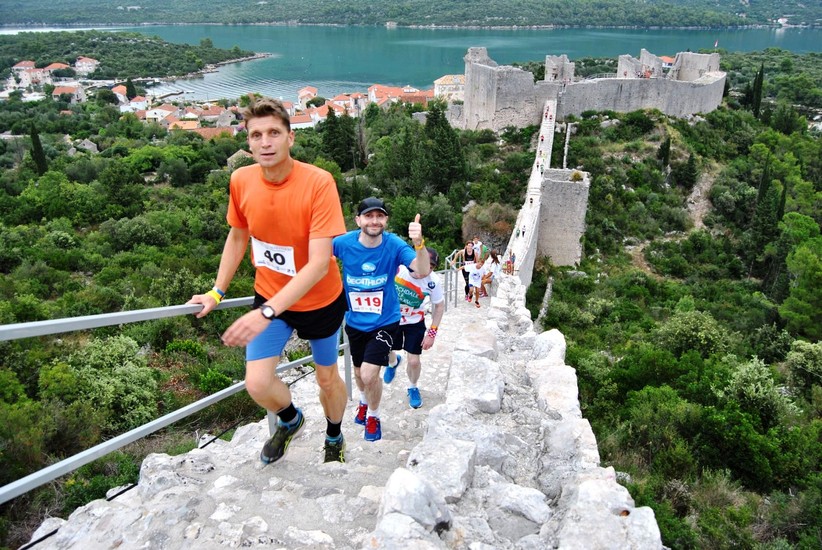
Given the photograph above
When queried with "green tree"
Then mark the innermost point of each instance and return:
(693, 330)
(786, 120)
(664, 152)
(448, 161)
(114, 377)
(802, 310)
(339, 139)
(106, 96)
(131, 91)
(123, 189)
(752, 386)
(804, 363)
(22, 436)
(37, 153)
(756, 100)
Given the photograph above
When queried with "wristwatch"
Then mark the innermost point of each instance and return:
(268, 312)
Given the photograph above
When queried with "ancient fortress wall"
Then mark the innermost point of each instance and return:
(562, 216)
(490, 88)
(672, 97)
(499, 96)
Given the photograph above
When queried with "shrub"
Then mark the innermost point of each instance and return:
(693, 330)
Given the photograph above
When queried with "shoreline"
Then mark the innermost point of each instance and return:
(212, 68)
(33, 27)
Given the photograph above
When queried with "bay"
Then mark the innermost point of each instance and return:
(337, 59)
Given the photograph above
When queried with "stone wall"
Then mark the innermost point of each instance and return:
(690, 66)
(672, 97)
(495, 94)
(562, 216)
(499, 96)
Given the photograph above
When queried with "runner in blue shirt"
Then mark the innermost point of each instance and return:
(370, 258)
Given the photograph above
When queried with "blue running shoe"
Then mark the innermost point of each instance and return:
(275, 448)
(362, 410)
(414, 398)
(373, 431)
(390, 371)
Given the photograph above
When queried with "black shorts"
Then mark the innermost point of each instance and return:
(315, 324)
(409, 337)
(372, 346)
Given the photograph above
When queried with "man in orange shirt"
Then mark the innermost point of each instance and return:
(290, 211)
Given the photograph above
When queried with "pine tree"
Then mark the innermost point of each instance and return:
(37, 154)
(131, 91)
(764, 228)
(664, 152)
(339, 139)
(448, 159)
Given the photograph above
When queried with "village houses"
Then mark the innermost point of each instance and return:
(210, 119)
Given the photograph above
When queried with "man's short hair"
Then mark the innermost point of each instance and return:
(266, 106)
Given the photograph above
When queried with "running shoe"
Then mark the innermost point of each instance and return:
(373, 431)
(390, 371)
(414, 398)
(359, 418)
(334, 451)
(275, 448)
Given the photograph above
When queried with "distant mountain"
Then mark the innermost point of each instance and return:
(643, 13)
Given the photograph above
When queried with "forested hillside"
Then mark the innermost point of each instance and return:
(695, 339)
(121, 55)
(610, 13)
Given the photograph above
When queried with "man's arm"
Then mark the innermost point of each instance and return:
(233, 252)
(247, 327)
(422, 263)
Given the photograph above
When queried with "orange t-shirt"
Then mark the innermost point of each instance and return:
(281, 218)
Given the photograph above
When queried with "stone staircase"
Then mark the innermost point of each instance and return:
(498, 457)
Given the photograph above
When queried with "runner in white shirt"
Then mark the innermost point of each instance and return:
(475, 272)
(412, 336)
(492, 270)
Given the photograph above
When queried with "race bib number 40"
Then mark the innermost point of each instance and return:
(366, 302)
(274, 257)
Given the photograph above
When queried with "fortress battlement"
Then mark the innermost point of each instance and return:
(497, 96)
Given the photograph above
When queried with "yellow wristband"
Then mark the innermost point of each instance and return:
(214, 294)
(420, 246)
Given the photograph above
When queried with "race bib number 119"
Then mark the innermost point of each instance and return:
(366, 302)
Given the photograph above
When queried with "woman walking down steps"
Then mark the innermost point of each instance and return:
(490, 459)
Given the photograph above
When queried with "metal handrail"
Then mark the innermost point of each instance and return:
(57, 326)
(18, 331)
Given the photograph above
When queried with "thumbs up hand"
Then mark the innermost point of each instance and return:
(415, 231)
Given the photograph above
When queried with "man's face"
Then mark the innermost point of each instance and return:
(372, 223)
(269, 141)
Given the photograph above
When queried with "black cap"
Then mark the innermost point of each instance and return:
(371, 203)
(434, 255)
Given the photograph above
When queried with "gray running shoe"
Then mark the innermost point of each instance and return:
(275, 448)
(334, 451)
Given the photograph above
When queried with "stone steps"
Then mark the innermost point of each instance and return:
(498, 457)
